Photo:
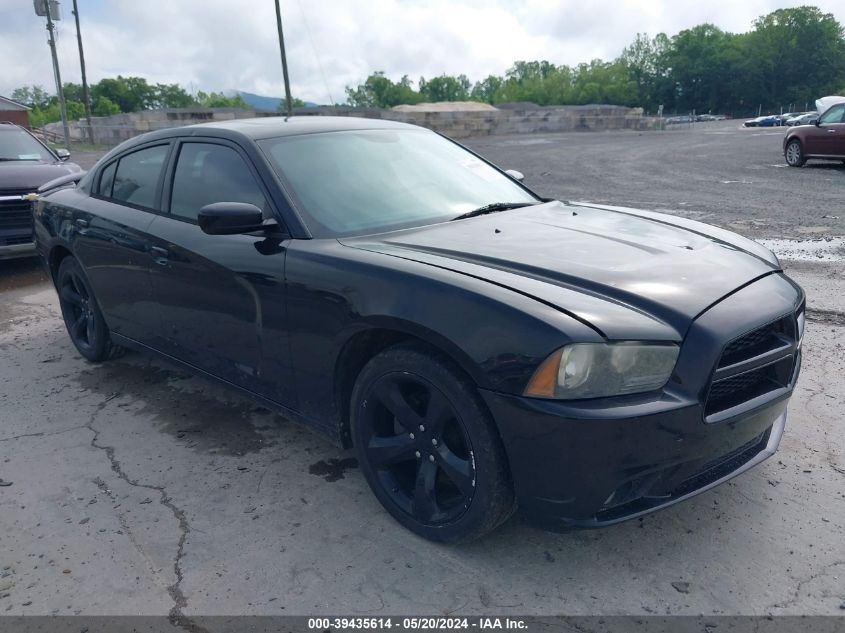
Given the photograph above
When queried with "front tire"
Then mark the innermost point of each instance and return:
(428, 447)
(83, 319)
(794, 154)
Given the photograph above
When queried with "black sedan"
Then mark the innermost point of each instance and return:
(482, 349)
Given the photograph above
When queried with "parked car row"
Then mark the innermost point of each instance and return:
(696, 118)
(806, 118)
(787, 118)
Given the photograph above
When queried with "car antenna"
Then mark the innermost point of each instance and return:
(284, 61)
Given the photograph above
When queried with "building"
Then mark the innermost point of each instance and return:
(14, 112)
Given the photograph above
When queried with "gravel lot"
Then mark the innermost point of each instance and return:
(717, 172)
(138, 489)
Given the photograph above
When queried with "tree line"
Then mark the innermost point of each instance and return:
(790, 57)
(115, 95)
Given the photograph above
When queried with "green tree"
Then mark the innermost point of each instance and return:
(170, 96)
(103, 106)
(131, 94)
(283, 105)
(31, 96)
(486, 89)
(380, 92)
(219, 100)
(798, 55)
(445, 88)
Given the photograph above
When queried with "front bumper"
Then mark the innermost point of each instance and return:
(599, 466)
(590, 463)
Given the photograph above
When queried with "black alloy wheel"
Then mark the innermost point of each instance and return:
(427, 447)
(82, 316)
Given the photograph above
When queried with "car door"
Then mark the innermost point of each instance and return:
(112, 242)
(221, 298)
(828, 137)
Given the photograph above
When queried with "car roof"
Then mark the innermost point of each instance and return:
(276, 126)
(263, 128)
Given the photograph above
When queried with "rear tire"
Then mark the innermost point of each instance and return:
(428, 446)
(794, 153)
(84, 321)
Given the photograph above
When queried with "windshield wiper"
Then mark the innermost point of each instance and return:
(493, 208)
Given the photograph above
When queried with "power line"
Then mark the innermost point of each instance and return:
(314, 49)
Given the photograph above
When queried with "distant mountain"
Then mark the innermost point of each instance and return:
(261, 102)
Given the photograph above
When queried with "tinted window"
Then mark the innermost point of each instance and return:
(208, 173)
(107, 180)
(834, 115)
(137, 176)
(370, 181)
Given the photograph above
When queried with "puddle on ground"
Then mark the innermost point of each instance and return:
(830, 249)
(333, 469)
(203, 422)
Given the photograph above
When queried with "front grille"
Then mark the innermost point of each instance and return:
(640, 495)
(767, 351)
(724, 465)
(15, 218)
(758, 341)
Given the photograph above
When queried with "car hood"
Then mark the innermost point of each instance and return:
(625, 272)
(25, 174)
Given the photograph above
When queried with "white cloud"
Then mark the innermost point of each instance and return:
(221, 44)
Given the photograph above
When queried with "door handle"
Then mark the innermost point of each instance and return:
(831, 131)
(160, 255)
(81, 224)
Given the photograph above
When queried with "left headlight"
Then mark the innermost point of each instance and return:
(600, 370)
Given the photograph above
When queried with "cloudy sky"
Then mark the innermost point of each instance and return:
(232, 44)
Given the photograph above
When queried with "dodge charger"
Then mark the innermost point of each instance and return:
(481, 348)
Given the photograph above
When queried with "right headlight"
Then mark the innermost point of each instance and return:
(600, 370)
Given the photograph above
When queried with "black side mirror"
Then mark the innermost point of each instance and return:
(816, 122)
(63, 154)
(230, 218)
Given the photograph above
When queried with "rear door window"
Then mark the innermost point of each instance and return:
(137, 176)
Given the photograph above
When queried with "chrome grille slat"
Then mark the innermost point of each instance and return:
(16, 226)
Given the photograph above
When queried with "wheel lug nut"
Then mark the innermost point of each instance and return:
(431, 458)
(417, 453)
(422, 428)
(434, 442)
(412, 436)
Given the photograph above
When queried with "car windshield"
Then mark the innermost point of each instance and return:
(372, 181)
(15, 144)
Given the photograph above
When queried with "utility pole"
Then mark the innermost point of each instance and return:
(284, 59)
(59, 91)
(85, 96)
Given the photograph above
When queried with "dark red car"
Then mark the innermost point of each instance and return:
(824, 139)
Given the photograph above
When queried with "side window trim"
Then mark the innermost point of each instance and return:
(157, 201)
(167, 188)
(101, 174)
